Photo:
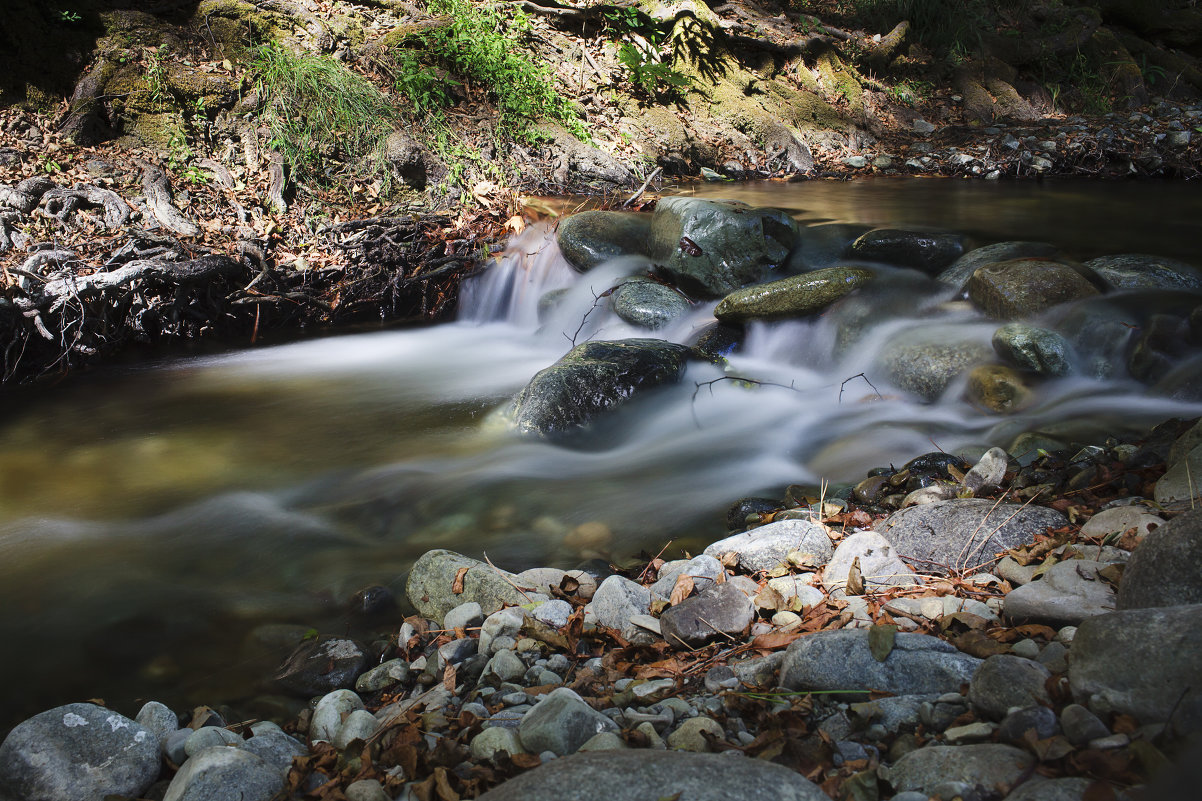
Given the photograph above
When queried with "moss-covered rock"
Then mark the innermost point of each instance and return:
(794, 297)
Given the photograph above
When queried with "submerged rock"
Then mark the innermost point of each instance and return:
(921, 250)
(591, 379)
(998, 388)
(591, 238)
(1024, 287)
(712, 247)
(794, 297)
(648, 304)
(718, 340)
(1140, 271)
(923, 361)
(823, 245)
(1029, 347)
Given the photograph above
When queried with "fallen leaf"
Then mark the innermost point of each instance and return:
(855, 580)
(769, 598)
(774, 640)
(682, 589)
(880, 641)
(516, 224)
(457, 585)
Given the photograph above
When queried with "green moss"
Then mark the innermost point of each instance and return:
(840, 83)
(161, 131)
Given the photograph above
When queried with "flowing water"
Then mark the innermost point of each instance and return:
(150, 518)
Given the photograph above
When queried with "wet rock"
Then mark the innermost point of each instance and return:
(790, 298)
(591, 379)
(77, 752)
(1142, 662)
(1141, 271)
(648, 304)
(923, 361)
(591, 238)
(990, 766)
(321, 666)
(640, 774)
(1004, 681)
(998, 389)
(739, 512)
(718, 340)
(1021, 288)
(712, 247)
(842, 660)
(928, 252)
(963, 534)
(433, 580)
(961, 270)
(766, 547)
(822, 245)
(1183, 382)
(1068, 593)
(561, 722)
(1028, 347)
(220, 773)
(719, 610)
(880, 566)
(1166, 569)
(615, 602)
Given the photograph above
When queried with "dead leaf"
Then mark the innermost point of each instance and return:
(457, 585)
(448, 678)
(774, 640)
(855, 580)
(978, 644)
(682, 589)
(1112, 574)
(769, 598)
(516, 224)
(880, 641)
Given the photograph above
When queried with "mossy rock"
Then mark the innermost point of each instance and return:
(161, 130)
(840, 83)
(188, 84)
(236, 23)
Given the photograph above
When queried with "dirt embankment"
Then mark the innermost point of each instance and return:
(226, 168)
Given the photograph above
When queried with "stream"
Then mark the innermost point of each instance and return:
(152, 517)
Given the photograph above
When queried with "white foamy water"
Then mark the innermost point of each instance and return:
(172, 506)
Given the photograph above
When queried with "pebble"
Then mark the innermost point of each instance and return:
(690, 735)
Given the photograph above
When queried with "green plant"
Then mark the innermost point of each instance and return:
(1151, 72)
(68, 17)
(650, 75)
(911, 91)
(317, 110)
(48, 165)
(428, 89)
(480, 44)
(156, 74)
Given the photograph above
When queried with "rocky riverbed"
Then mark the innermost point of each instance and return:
(970, 644)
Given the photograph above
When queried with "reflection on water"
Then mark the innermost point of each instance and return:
(149, 519)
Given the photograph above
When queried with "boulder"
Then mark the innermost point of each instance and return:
(591, 379)
(77, 752)
(721, 610)
(648, 304)
(641, 774)
(560, 723)
(591, 238)
(791, 298)
(1028, 347)
(1068, 593)
(1022, 288)
(928, 252)
(842, 660)
(1166, 568)
(963, 534)
(765, 547)
(1140, 271)
(992, 767)
(431, 586)
(923, 361)
(1143, 662)
(710, 247)
(961, 270)
(822, 245)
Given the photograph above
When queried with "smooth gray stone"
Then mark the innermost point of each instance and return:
(703, 570)
(721, 610)
(222, 773)
(1140, 271)
(366, 790)
(929, 252)
(642, 774)
(505, 666)
(465, 616)
(383, 676)
(1039, 719)
(77, 752)
(592, 379)
(561, 722)
(961, 270)
(276, 749)
(1166, 568)
(648, 304)
(765, 547)
(554, 613)
(1066, 594)
(1037, 788)
(1028, 347)
(209, 737)
(615, 602)
(841, 660)
(710, 247)
(1144, 662)
(1081, 726)
(330, 712)
(789, 298)
(880, 566)
(987, 764)
(358, 725)
(158, 719)
(493, 740)
(591, 238)
(923, 361)
(964, 534)
(432, 580)
(1004, 681)
(323, 665)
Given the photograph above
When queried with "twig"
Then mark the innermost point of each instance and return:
(501, 573)
(658, 555)
(699, 384)
(643, 188)
(866, 381)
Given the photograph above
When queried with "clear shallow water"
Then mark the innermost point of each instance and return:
(149, 518)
